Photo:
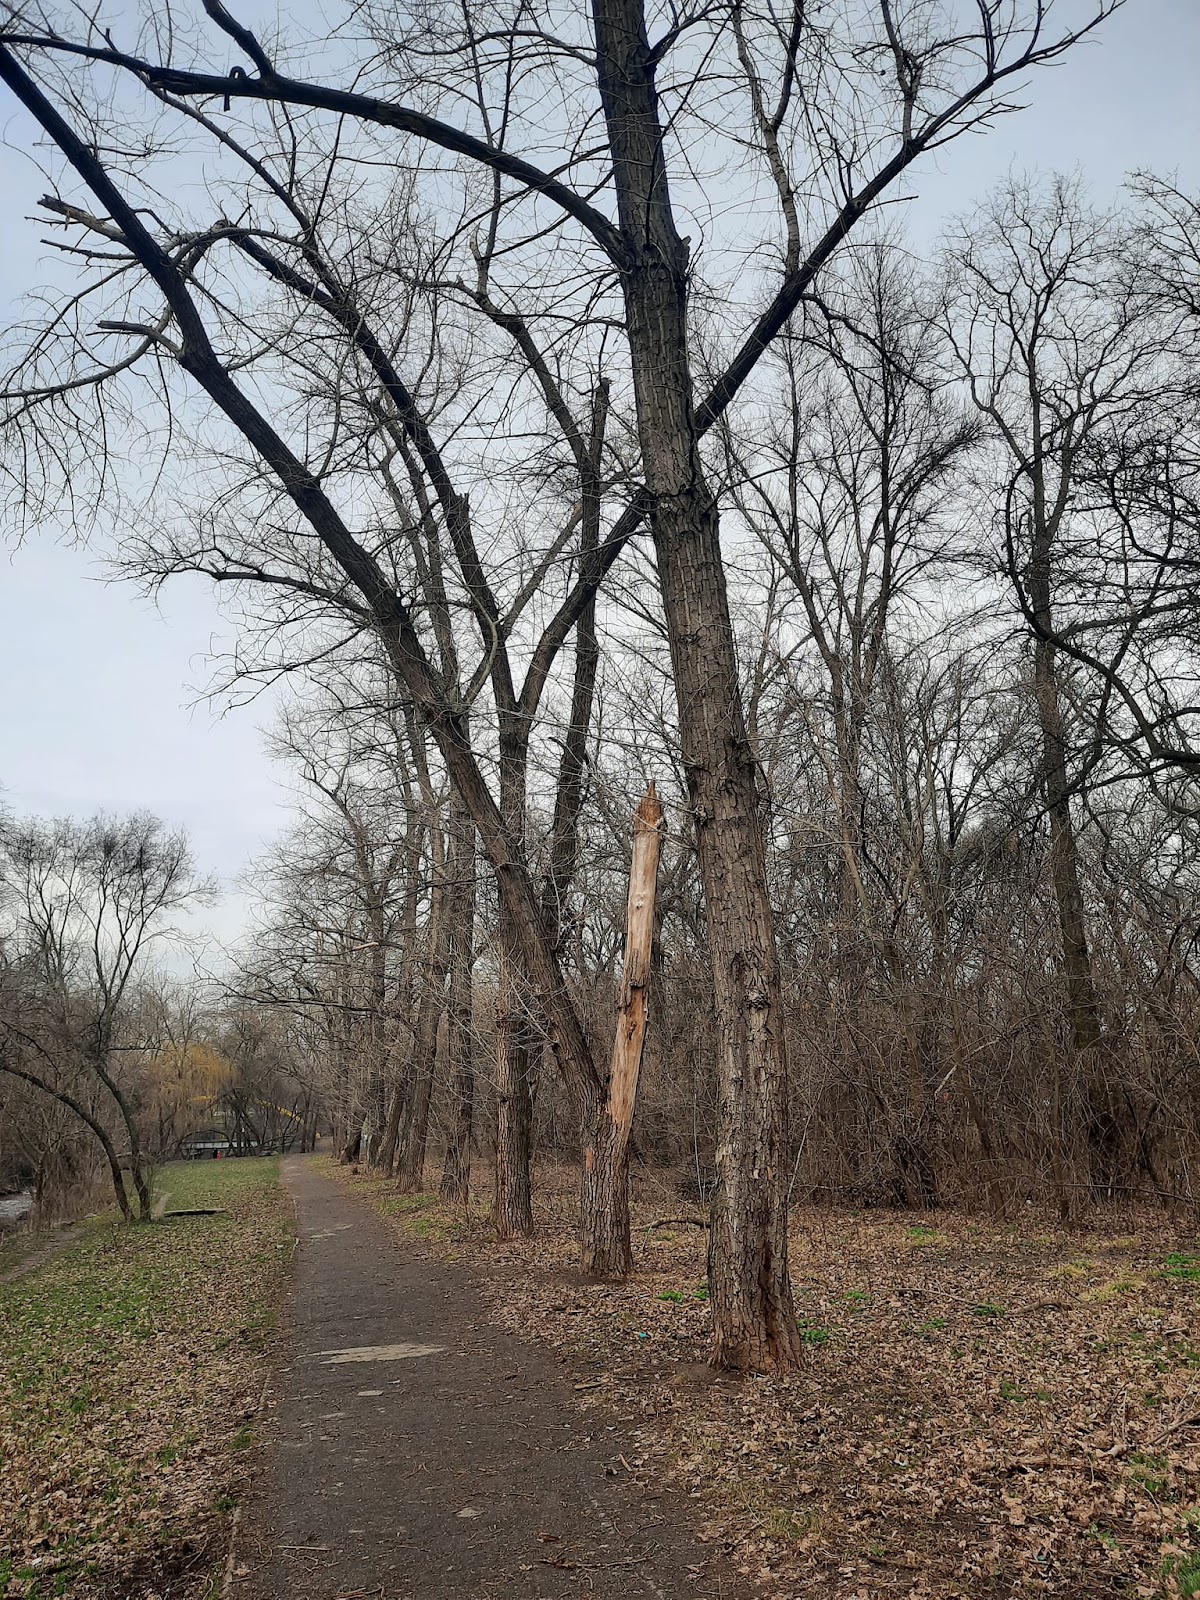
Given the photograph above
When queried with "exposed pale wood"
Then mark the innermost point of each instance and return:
(605, 1247)
(633, 999)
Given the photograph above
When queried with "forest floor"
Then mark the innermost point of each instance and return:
(131, 1365)
(984, 1410)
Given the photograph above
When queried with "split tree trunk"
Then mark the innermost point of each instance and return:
(514, 1024)
(607, 1252)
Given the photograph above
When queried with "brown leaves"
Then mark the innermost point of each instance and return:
(982, 1410)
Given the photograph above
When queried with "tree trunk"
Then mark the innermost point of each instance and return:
(410, 1168)
(604, 1210)
(396, 1108)
(514, 1105)
(569, 791)
(106, 1144)
(456, 1172)
(1083, 1008)
(141, 1185)
(376, 1115)
(754, 1324)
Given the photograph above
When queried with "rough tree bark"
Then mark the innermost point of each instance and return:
(456, 1172)
(754, 1323)
(1083, 1007)
(410, 1166)
(514, 1103)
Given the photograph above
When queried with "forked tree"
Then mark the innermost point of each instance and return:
(567, 152)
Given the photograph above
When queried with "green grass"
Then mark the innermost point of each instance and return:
(1185, 1570)
(1149, 1472)
(1183, 1268)
(811, 1335)
(426, 1217)
(129, 1363)
(920, 1234)
(403, 1204)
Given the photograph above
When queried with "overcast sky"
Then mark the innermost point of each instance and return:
(101, 703)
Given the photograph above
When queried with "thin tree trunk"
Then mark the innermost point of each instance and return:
(514, 1106)
(456, 1172)
(1083, 1008)
(401, 1090)
(569, 791)
(106, 1144)
(410, 1167)
(376, 1114)
(434, 967)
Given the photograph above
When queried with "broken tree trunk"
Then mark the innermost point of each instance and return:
(605, 1210)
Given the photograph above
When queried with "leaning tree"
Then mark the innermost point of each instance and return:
(616, 206)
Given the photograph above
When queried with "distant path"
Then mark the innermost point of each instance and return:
(419, 1453)
(53, 1245)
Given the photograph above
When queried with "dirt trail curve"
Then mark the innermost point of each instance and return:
(419, 1453)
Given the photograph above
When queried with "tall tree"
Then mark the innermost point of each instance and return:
(833, 107)
(1057, 352)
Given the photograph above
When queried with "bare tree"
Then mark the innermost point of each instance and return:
(834, 108)
(1058, 353)
(86, 903)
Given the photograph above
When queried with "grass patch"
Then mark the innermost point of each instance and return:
(1072, 1270)
(813, 1336)
(920, 1234)
(403, 1205)
(788, 1526)
(1149, 1472)
(926, 1330)
(424, 1216)
(1183, 1573)
(1114, 1289)
(129, 1365)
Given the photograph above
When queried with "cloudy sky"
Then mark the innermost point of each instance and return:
(103, 693)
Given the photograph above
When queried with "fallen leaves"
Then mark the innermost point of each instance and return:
(985, 1411)
(130, 1371)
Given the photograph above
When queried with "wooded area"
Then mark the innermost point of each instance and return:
(559, 412)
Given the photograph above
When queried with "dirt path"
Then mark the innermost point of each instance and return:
(40, 1253)
(418, 1453)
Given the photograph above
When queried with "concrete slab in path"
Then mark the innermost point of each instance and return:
(420, 1453)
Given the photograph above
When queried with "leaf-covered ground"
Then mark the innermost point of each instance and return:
(992, 1411)
(131, 1366)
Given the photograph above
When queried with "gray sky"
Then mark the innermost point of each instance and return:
(101, 692)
